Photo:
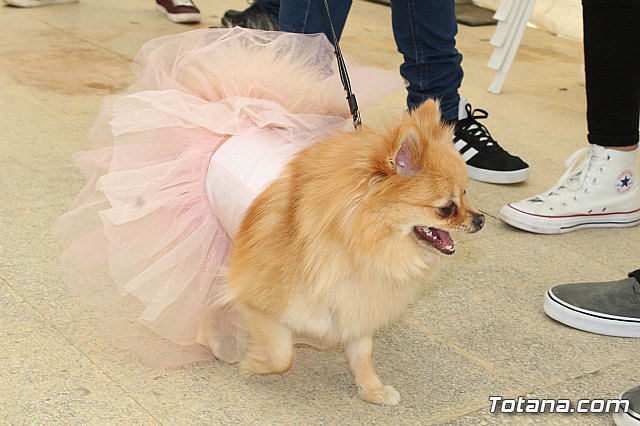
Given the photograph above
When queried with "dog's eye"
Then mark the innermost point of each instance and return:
(448, 210)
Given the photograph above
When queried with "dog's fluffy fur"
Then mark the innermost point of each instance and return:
(337, 246)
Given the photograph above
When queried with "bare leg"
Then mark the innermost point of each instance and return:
(270, 348)
(371, 389)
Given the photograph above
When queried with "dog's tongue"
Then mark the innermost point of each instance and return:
(438, 238)
(445, 238)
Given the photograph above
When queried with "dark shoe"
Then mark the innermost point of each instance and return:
(180, 11)
(632, 416)
(609, 308)
(253, 17)
(486, 160)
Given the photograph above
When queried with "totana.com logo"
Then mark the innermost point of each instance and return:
(526, 405)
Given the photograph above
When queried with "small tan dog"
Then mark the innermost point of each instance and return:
(344, 240)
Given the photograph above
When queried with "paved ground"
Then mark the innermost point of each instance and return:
(481, 333)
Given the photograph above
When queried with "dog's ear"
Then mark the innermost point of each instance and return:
(427, 115)
(409, 152)
(428, 120)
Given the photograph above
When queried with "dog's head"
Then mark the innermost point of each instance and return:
(388, 197)
(431, 179)
(418, 184)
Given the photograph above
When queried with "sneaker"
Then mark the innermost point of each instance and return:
(609, 308)
(180, 11)
(37, 3)
(632, 416)
(601, 191)
(253, 17)
(486, 160)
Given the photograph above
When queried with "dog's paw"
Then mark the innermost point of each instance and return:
(383, 395)
(246, 370)
(252, 366)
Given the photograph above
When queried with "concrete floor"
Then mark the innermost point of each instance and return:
(482, 333)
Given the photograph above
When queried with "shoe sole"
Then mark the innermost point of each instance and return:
(179, 18)
(540, 224)
(492, 176)
(593, 322)
(630, 418)
(35, 3)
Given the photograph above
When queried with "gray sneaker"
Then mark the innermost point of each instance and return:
(610, 308)
(631, 417)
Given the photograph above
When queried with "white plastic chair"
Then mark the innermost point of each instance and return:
(512, 17)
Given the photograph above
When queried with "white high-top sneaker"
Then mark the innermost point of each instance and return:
(602, 191)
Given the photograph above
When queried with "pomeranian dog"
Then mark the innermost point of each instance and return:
(338, 245)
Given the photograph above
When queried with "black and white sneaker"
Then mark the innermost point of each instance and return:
(253, 17)
(486, 160)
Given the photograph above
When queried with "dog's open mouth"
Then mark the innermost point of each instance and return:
(439, 239)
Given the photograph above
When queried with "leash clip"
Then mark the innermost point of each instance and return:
(355, 113)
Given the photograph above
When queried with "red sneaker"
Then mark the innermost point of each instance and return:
(180, 11)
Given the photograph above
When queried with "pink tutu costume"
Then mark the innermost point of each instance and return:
(211, 120)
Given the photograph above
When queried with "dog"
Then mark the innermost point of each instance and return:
(344, 239)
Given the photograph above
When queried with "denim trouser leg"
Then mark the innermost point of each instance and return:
(310, 16)
(425, 32)
(270, 7)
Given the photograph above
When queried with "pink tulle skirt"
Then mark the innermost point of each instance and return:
(147, 249)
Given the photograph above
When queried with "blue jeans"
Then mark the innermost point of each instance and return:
(270, 7)
(424, 31)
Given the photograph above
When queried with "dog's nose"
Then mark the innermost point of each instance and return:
(478, 221)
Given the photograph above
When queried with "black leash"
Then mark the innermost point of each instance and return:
(344, 76)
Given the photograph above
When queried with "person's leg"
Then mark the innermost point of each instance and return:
(612, 118)
(425, 32)
(612, 67)
(602, 190)
(270, 7)
(310, 16)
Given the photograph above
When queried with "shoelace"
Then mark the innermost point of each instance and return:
(574, 177)
(474, 127)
